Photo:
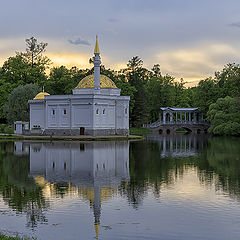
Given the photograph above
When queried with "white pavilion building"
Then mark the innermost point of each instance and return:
(94, 108)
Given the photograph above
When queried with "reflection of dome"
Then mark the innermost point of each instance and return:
(41, 95)
(88, 193)
(88, 82)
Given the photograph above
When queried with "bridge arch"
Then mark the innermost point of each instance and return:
(171, 119)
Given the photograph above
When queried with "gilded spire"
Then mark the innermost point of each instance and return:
(96, 49)
(97, 226)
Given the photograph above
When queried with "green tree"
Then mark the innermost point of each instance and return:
(228, 80)
(34, 51)
(127, 90)
(17, 107)
(161, 93)
(156, 70)
(224, 116)
(138, 76)
(59, 81)
(206, 93)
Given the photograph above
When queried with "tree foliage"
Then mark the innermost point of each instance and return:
(224, 116)
(17, 107)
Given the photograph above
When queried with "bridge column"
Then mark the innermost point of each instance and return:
(171, 117)
(164, 117)
(194, 117)
(176, 116)
(189, 114)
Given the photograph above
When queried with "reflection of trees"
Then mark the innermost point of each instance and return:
(223, 157)
(147, 169)
(218, 162)
(20, 191)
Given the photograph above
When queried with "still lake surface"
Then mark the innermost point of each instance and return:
(182, 187)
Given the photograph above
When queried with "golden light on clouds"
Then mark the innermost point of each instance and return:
(69, 59)
(196, 63)
(192, 63)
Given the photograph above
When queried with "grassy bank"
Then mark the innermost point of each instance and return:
(4, 128)
(139, 131)
(3, 237)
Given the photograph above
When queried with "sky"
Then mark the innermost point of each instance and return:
(190, 39)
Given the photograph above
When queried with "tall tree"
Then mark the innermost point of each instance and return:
(138, 76)
(34, 49)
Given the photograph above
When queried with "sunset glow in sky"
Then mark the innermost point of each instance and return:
(189, 38)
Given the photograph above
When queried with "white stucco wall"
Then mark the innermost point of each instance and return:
(37, 114)
(58, 115)
(122, 114)
(104, 114)
(81, 115)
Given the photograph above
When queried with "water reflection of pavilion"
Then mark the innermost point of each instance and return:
(178, 145)
(94, 168)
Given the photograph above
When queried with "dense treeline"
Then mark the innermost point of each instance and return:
(149, 88)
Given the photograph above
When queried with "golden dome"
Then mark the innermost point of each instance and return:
(88, 82)
(41, 95)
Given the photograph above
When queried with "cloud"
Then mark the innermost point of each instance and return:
(236, 24)
(112, 20)
(79, 41)
(198, 62)
(69, 59)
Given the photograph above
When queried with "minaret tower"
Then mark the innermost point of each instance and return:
(97, 63)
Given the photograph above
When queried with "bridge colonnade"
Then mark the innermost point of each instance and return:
(171, 119)
(182, 115)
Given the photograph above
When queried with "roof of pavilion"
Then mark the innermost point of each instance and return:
(178, 109)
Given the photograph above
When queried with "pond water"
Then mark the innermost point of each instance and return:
(173, 187)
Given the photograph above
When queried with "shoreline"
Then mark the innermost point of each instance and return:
(70, 138)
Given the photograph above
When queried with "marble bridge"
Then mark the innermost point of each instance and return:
(172, 119)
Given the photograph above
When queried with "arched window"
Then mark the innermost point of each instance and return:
(97, 111)
(126, 110)
(103, 111)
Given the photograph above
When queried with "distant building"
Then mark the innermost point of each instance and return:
(94, 108)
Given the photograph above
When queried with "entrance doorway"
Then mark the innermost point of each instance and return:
(82, 130)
